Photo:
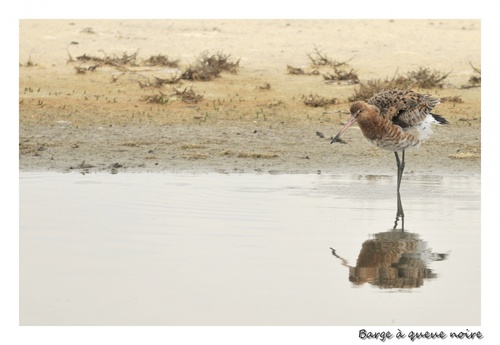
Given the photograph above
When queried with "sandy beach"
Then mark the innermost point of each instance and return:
(77, 113)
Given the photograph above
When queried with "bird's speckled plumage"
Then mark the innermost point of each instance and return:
(395, 119)
(404, 108)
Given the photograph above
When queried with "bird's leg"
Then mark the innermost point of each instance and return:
(400, 204)
(401, 167)
(400, 214)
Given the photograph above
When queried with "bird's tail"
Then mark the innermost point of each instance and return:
(439, 119)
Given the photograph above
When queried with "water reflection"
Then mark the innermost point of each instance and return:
(393, 259)
(176, 249)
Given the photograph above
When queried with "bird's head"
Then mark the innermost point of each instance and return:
(358, 109)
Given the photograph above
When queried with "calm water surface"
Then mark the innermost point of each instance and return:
(215, 249)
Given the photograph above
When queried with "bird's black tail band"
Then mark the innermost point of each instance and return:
(440, 119)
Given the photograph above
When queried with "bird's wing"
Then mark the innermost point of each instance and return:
(403, 107)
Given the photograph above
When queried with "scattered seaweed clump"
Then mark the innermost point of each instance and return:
(113, 59)
(319, 59)
(422, 78)
(209, 66)
(300, 71)
(28, 63)
(426, 79)
(159, 82)
(315, 100)
(83, 70)
(186, 95)
(475, 80)
(126, 59)
(294, 70)
(341, 74)
(206, 67)
(161, 60)
(159, 98)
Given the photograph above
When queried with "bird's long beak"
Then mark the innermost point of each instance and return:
(347, 125)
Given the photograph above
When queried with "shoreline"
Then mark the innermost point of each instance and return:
(252, 121)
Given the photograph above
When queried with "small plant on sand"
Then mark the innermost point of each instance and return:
(318, 58)
(315, 100)
(29, 63)
(474, 80)
(341, 74)
(187, 95)
(83, 70)
(159, 98)
(112, 60)
(426, 79)
(294, 70)
(422, 78)
(209, 66)
(159, 82)
(300, 71)
(161, 60)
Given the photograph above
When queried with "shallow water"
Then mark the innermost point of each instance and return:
(215, 249)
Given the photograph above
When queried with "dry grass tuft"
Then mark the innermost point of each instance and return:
(28, 63)
(159, 82)
(300, 71)
(318, 59)
(161, 60)
(187, 95)
(422, 78)
(341, 74)
(159, 98)
(426, 79)
(208, 66)
(294, 70)
(315, 100)
(113, 60)
(474, 80)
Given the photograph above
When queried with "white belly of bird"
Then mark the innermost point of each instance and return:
(419, 133)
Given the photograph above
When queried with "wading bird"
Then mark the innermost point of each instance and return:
(395, 120)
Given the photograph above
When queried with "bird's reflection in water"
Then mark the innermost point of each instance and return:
(393, 259)
(400, 215)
